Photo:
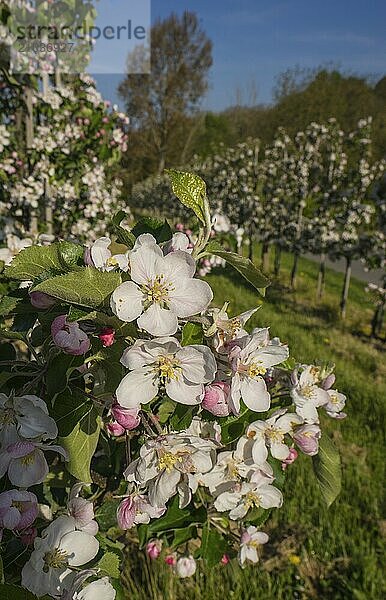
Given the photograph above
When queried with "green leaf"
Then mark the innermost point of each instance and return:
(182, 417)
(14, 592)
(86, 287)
(190, 189)
(213, 546)
(166, 409)
(192, 334)
(60, 369)
(109, 564)
(327, 469)
(160, 230)
(181, 536)
(106, 514)
(36, 261)
(123, 236)
(79, 426)
(177, 518)
(243, 265)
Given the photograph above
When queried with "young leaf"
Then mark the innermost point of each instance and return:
(243, 265)
(190, 189)
(327, 469)
(79, 426)
(177, 518)
(86, 287)
(213, 546)
(123, 235)
(192, 334)
(106, 514)
(14, 592)
(109, 564)
(160, 230)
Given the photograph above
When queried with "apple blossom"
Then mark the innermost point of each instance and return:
(335, 404)
(170, 464)
(241, 497)
(251, 539)
(60, 547)
(101, 589)
(26, 415)
(136, 509)
(162, 289)
(307, 395)
(250, 358)
(215, 399)
(82, 511)
(24, 462)
(69, 337)
(271, 433)
(102, 258)
(115, 429)
(163, 361)
(27, 536)
(307, 438)
(228, 329)
(292, 456)
(185, 567)
(18, 509)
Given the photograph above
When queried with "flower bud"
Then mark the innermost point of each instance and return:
(128, 418)
(69, 336)
(186, 566)
(225, 559)
(307, 438)
(154, 548)
(171, 560)
(115, 429)
(292, 456)
(41, 300)
(216, 398)
(328, 382)
(107, 336)
(126, 513)
(28, 536)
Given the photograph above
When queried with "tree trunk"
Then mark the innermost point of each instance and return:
(265, 257)
(346, 286)
(321, 276)
(277, 262)
(294, 270)
(161, 164)
(250, 237)
(377, 320)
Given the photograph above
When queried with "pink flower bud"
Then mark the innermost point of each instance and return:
(28, 536)
(115, 429)
(88, 261)
(107, 336)
(307, 438)
(225, 559)
(126, 513)
(180, 227)
(171, 560)
(69, 336)
(128, 418)
(41, 300)
(292, 456)
(154, 548)
(216, 398)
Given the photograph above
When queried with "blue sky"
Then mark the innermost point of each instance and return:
(255, 40)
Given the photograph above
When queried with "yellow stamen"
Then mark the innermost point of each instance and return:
(167, 461)
(29, 459)
(56, 559)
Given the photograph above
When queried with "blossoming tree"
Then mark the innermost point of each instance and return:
(129, 402)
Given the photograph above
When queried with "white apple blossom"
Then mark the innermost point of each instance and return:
(170, 464)
(335, 404)
(271, 433)
(185, 567)
(227, 329)
(81, 510)
(250, 358)
(163, 361)
(241, 497)
(60, 547)
(103, 259)
(162, 289)
(25, 463)
(136, 509)
(251, 539)
(101, 589)
(26, 415)
(307, 395)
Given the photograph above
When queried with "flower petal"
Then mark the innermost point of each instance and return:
(254, 394)
(136, 387)
(127, 301)
(190, 297)
(81, 547)
(158, 321)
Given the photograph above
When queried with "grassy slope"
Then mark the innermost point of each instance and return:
(315, 553)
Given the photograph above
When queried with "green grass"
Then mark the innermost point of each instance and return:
(332, 554)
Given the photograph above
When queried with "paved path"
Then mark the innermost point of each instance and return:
(357, 269)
